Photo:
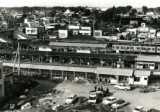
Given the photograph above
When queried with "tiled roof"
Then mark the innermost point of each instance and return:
(148, 58)
(142, 73)
(77, 44)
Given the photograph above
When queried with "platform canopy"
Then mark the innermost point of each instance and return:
(70, 44)
(142, 73)
(114, 71)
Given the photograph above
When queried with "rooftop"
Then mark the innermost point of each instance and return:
(148, 58)
(66, 44)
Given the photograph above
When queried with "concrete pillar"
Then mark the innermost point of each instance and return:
(63, 74)
(97, 77)
(86, 75)
(117, 77)
(3, 87)
(50, 60)
(101, 62)
(32, 59)
(74, 75)
(79, 61)
(2, 81)
(39, 57)
(51, 74)
(158, 66)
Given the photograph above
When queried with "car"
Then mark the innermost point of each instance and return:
(109, 100)
(70, 99)
(119, 104)
(26, 106)
(123, 87)
(54, 107)
(147, 90)
(153, 110)
(22, 96)
(138, 109)
(92, 97)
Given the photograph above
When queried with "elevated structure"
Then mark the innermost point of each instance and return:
(2, 90)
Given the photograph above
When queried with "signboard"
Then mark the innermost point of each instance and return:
(0, 70)
(31, 31)
(97, 33)
(62, 33)
(73, 27)
(44, 48)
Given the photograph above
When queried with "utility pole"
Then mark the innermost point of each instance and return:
(93, 24)
(18, 59)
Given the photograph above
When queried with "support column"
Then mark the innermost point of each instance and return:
(2, 87)
(63, 74)
(80, 61)
(117, 77)
(51, 74)
(74, 75)
(32, 59)
(86, 75)
(2, 81)
(39, 57)
(50, 60)
(97, 77)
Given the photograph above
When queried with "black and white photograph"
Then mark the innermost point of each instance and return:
(79, 55)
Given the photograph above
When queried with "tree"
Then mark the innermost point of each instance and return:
(145, 9)
(133, 12)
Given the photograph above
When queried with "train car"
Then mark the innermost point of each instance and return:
(44, 48)
(135, 48)
(86, 51)
(158, 49)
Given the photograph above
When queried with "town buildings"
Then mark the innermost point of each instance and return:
(67, 47)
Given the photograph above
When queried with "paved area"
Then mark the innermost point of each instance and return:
(148, 100)
(69, 88)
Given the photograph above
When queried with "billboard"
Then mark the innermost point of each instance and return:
(98, 33)
(62, 33)
(31, 31)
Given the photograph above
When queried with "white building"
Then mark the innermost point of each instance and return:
(31, 31)
(144, 32)
(62, 33)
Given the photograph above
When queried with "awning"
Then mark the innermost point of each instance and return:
(114, 71)
(142, 73)
(69, 44)
(148, 58)
(156, 73)
(52, 67)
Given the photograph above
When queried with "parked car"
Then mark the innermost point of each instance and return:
(95, 96)
(119, 104)
(92, 97)
(153, 110)
(54, 107)
(123, 87)
(26, 106)
(70, 99)
(139, 109)
(109, 100)
(147, 89)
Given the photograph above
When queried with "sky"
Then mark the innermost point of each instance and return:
(89, 3)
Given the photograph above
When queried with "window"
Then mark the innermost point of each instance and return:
(117, 47)
(0, 74)
(145, 78)
(137, 79)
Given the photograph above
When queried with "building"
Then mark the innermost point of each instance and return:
(144, 33)
(2, 85)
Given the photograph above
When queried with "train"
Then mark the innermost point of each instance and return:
(142, 48)
(108, 47)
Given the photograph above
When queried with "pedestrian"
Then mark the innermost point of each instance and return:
(95, 87)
